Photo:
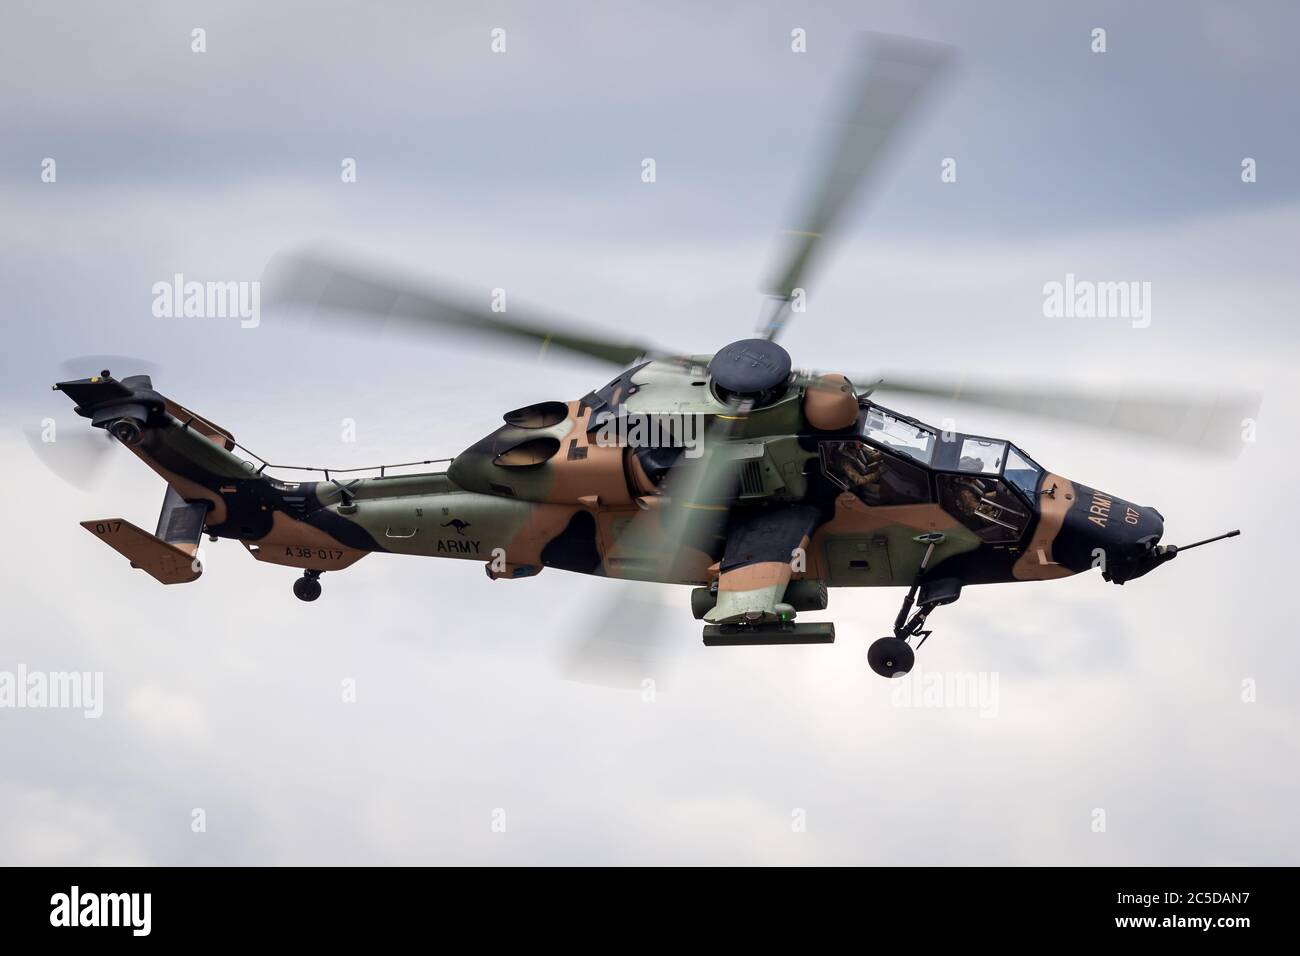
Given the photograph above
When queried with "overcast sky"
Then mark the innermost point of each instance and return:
(522, 170)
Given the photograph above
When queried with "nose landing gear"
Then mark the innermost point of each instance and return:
(307, 587)
(894, 656)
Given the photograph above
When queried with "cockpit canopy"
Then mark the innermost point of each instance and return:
(987, 484)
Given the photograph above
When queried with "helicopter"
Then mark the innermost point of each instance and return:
(758, 485)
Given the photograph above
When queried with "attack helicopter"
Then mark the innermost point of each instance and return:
(758, 485)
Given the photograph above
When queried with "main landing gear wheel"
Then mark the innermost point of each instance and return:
(890, 657)
(307, 587)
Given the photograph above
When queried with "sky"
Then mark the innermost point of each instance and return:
(1169, 704)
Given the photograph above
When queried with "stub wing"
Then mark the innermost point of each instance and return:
(759, 560)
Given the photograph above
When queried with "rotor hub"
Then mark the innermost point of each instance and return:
(757, 369)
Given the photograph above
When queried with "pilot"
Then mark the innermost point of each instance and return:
(970, 494)
(860, 468)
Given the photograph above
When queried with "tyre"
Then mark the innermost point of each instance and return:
(306, 589)
(890, 657)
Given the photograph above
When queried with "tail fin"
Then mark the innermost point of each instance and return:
(123, 408)
(200, 424)
(211, 489)
(126, 409)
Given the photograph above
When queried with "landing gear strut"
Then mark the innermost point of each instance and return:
(894, 656)
(307, 587)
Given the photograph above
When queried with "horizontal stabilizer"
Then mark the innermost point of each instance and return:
(164, 562)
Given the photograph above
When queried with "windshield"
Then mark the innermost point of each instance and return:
(1022, 472)
(902, 436)
(980, 456)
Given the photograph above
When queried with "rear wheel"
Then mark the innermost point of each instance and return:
(890, 657)
(306, 589)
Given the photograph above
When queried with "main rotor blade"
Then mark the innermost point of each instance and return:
(621, 642)
(1209, 420)
(897, 76)
(623, 646)
(699, 492)
(355, 296)
(691, 508)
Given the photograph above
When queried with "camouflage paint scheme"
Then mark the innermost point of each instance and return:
(797, 490)
(540, 492)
